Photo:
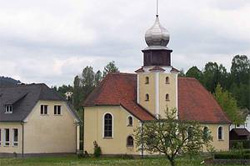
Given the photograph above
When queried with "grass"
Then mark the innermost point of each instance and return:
(75, 161)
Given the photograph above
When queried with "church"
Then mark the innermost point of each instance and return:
(124, 101)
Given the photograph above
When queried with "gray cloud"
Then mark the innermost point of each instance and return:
(52, 41)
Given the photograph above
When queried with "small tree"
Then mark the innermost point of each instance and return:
(110, 68)
(171, 137)
(229, 104)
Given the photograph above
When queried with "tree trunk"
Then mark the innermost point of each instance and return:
(172, 162)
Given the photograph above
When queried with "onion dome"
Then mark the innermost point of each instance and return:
(157, 35)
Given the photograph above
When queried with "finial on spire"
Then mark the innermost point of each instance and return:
(157, 8)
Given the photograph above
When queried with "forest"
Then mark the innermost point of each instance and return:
(230, 88)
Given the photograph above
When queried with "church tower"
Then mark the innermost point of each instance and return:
(157, 80)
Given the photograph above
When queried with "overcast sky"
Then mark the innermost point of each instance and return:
(51, 41)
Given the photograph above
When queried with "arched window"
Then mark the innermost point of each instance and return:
(108, 125)
(167, 80)
(146, 80)
(205, 133)
(220, 133)
(167, 97)
(130, 141)
(130, 121)
(146, 97)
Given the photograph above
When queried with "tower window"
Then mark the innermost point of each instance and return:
(130, 141)
(108, 125)
(167, 80)
(146, 80)
(146, 97)
(130, 121)
(167, 97)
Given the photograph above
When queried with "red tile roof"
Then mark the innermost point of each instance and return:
(194, 101)
(118, 89)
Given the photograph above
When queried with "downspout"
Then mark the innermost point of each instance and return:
(22, 123)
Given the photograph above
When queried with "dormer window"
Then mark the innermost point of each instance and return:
(8, 109)
(167, 80)
(146, 80)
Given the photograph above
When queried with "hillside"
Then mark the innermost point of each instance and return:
(6, 81)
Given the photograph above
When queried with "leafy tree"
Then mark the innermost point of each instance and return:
(181, 74)
(87, 81)
(195, 73)
(228, 104)
(240, 69)
(98, 77)
(171, 137)
(77, 93)
(241, 93)
(110, 68)
(214, 74)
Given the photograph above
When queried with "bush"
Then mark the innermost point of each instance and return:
(233, 155)
(97, 150)
(245, 143)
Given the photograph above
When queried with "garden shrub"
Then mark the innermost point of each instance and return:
(97, 150)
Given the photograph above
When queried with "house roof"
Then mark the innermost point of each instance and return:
(197, 104)
(23, 98)
(118, 89)
(241, 131)
(194, 101)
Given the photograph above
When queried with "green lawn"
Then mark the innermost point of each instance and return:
(75, 161)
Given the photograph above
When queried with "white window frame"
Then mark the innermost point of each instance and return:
(56, 109)
(14, 143)
(9, 109)
(222, 133)
(103, 125)
(42, 109)
(6, 143)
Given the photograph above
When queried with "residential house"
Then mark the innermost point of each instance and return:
(35, 120)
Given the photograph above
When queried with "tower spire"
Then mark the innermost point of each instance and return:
(157, 8)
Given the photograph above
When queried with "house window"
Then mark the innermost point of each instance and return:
(8, 109)
(6, 137)
(146, 97)
(220, 133)
(205, 133)
(15, 137)
(44, 109)
(0, 137)
(167, 97)
(57, 110)
(167, 80)
(130, 121)
(146, 80)
(130, 141)
(108, 120)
